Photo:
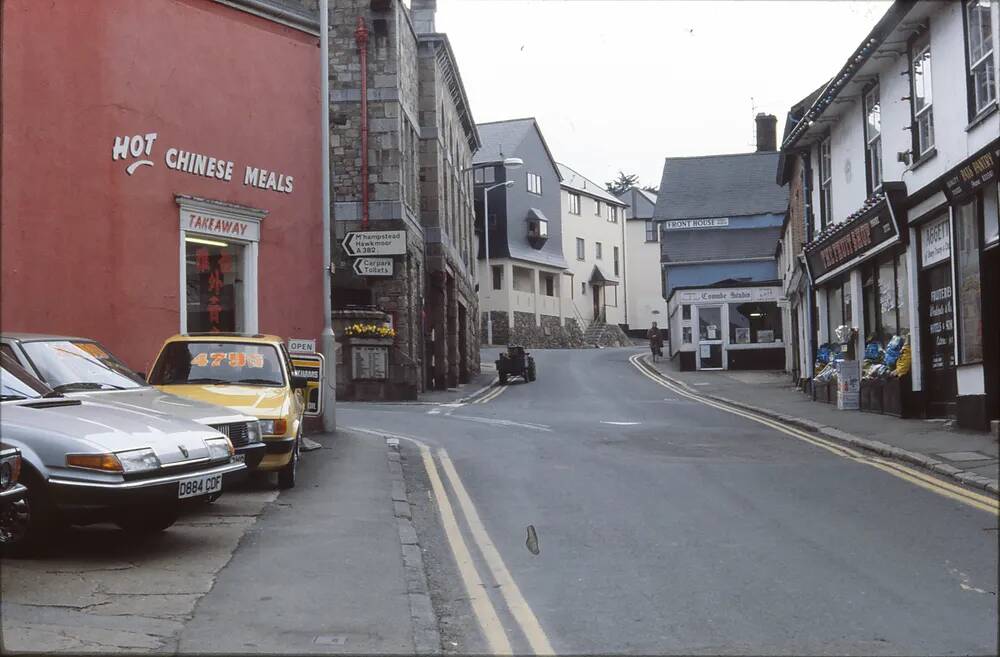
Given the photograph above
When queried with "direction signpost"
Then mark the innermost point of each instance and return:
(375, 243)
(373, 266)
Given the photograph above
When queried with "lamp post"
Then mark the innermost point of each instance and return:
(486, 240)
(328, 345)
(509, 164)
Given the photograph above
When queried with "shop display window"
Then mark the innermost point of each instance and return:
(835, 308)
(214, 285)
(970, 316)
(754, 323)
(902, 295)
(991, 216)
(885, 299)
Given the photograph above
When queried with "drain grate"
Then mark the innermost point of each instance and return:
(330, 639)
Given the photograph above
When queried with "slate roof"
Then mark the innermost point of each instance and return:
(680, 246)
(720, 186)
(501, 138)
(641, 203)
(576, 181)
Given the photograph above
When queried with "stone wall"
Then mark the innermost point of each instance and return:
(501, 328)
(549, 333)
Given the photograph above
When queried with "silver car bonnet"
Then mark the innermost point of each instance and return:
(148, 398)
(57, 426)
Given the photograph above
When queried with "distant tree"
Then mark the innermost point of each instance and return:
(622, 183)
(651, 189)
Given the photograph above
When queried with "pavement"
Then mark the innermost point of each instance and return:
(968, 457)
(327, 567)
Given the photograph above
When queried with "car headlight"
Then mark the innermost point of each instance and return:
(6, 475)
(254, 431)
(274, 427)
(219, 448)
(138, 460)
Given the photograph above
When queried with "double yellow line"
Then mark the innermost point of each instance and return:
(490, 395)
(912, 475)
(477, 591)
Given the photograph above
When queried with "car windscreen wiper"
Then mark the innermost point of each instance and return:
(11, 397)
(267, 382)
(85, 385)
(202, 380)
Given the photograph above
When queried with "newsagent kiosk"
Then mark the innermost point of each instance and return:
(729, 325)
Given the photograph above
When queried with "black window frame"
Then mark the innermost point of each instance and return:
(915, 47)
(970, 82)
(866, 111)
(652, 229)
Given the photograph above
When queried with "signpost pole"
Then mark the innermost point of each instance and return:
(328, 346)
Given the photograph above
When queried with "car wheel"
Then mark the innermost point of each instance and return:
(503, 378)
(25, 525)
(146, 521)
(286, 475)
(531, 371)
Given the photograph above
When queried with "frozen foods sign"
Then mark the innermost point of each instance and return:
(137, 151)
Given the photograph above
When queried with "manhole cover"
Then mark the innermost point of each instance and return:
(965, 456)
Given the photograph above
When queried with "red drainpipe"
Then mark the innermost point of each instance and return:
(361, 37)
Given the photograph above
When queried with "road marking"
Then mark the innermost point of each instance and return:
(508, 588)
(501, 423)
(619, 424)
(490, 396)
(914, 476)
(490, 623)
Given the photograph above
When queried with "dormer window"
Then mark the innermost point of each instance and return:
(538, 228)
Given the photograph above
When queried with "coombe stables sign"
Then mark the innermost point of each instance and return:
(137, 151)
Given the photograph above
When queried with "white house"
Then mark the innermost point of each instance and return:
(902, 158)
(593, 223)
(644, 302)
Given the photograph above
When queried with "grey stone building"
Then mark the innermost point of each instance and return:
(420, 136)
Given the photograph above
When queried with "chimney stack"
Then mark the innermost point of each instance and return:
(767, 132)
(422, 12)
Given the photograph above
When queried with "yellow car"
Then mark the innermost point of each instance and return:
(252, 374)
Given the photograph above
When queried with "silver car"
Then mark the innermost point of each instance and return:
(79, 367)
(84, 461)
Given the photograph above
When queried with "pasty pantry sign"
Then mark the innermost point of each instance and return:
(138, 149)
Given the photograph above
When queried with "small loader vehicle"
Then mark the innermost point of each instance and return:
(515, 362)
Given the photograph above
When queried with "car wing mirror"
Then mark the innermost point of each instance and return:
(299, 382)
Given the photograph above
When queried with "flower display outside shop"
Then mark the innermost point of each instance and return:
(359, 330)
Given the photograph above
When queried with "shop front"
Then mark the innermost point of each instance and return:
(727, 326)
(969, 233)
(179, 195)
(860, 272)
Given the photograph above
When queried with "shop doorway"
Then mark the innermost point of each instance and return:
(939, 335)
(710, 349)
(991, 333)
(215, 271)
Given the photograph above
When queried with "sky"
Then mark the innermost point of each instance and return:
(622, 84)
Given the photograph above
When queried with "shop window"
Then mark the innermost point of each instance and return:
(902, 295)
(214, 285)
(970, 317)
(835, 309)
(991, 220)
(754, 323)
(686, 311)
(686, 335)
(869, 299)
(889, 320)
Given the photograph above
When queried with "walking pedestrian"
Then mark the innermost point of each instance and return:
(655, 341)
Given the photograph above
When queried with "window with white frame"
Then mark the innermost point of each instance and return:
(921, 96)
(574, 203)
(597, 208)
(979, 31)
(581, 249)
(613, 214)
(825, 184)
(617, 268)
(873, 139)
(652, 235)
(598, 251)
(535, 183)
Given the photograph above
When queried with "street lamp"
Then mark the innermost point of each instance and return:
(486, 239)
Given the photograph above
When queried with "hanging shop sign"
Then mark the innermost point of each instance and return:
(873, 228)
(740, 294)
(687, 224)
(201, 222)
(935, 241)
(375, 243)
(978, 170)
(137, 152)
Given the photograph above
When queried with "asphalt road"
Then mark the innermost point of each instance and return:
(667, 526)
